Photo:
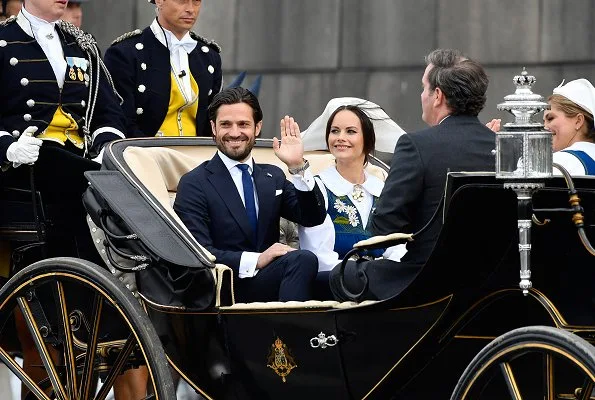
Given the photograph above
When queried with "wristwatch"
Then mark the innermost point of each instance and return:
(294, 171)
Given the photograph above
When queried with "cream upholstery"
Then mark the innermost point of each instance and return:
(159, 169)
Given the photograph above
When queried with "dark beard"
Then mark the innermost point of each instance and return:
(236, 156)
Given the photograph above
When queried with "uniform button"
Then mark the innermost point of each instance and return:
(210, 92)
(139, 46)
(31, 103)
(83, 103)
(86, 77)
(139, 111)
(13, 61)
(205, 49)
(24, 82)
(3, 43)
(143, 66)
(16, 134)
(27, 117)
(87, 83)
(211, 69)
(142, 88)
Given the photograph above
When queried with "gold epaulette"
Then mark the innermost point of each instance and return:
(127, 35)
(210, 43)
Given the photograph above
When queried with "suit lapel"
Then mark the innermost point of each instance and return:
(265, 188)
(226, 188)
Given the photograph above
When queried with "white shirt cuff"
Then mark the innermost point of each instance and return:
(108, 129)
(305, 182)
(248, 263)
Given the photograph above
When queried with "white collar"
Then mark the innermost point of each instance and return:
(164, 36)
(442, 120)
(30, 23)
(340, 186)
(230, 164)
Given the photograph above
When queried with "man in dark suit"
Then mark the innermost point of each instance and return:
(454, 92)
(166, 73)
(232, 205)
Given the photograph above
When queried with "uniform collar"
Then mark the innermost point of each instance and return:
(166, 37)
(341, 186)
(32, 24)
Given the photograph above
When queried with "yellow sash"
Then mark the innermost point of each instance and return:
(181, 113)
(62, 128)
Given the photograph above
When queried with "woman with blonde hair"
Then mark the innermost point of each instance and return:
(570, 119)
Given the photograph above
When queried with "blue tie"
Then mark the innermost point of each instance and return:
(249, 198)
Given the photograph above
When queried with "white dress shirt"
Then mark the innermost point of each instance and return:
(178, 52)
(305, 183)
(47, 37)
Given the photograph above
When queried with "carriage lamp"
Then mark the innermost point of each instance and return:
(524, 160)
(523, 147)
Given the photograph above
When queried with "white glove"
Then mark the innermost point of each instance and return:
(25, 150)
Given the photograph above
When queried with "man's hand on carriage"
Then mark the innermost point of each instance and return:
(290, 148)
(26, 149)
(270, 254)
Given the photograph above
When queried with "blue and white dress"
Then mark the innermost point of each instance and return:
(578, 159)
(345, 221)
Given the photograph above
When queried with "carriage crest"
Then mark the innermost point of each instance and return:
(280, 359)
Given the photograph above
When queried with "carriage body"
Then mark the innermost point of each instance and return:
(415, 345)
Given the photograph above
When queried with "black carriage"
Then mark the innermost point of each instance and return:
(462, 326)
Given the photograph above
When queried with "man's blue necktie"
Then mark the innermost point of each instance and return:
(249, 198)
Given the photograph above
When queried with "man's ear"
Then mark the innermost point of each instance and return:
(258, 128)
(438, 97)
(213, 130)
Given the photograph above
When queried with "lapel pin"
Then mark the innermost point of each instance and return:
(269, 175)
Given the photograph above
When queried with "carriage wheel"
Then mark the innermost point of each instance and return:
(536, 362)
(86, 328)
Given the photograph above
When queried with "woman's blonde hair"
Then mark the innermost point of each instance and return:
(571, 109)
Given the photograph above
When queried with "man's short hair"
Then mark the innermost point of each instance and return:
(463, 81)
(234, 96)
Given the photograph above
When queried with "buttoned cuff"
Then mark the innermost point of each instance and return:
(248, 263)
(305, 182)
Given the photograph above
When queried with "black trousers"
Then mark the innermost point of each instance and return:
(289, 277)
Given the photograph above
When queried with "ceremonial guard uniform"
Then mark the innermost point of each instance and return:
(56, 89)
(164, 96)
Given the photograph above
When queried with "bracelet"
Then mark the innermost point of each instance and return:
(294, 171)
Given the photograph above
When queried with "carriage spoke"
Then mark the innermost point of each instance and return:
(117, 367)
(43, 351)
(510, 381)
(87, 378)
(69, 359)
(19, 373)
(548, 372)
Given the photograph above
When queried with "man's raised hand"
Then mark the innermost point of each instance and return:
(290, 148)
